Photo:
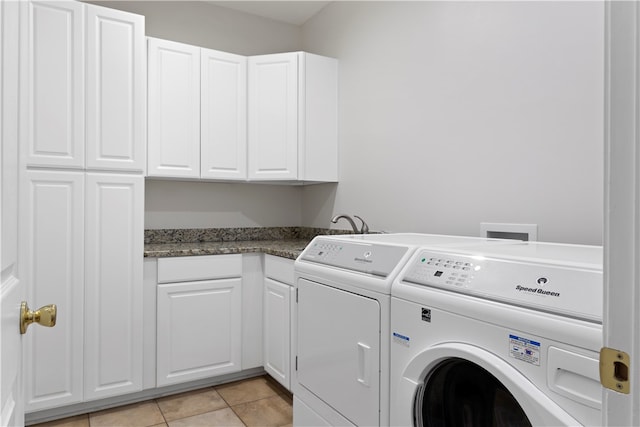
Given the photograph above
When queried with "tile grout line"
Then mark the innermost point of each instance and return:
(161, 412)
(237, 415)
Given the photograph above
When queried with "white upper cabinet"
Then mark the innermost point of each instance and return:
(197, 112)
(219, 116)
(85, 87)
(116, 90)
(273, 117)
(223, 121)
(293, 117)
(174, 109)
(54, 83)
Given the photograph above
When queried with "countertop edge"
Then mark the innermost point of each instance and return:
(290, 249)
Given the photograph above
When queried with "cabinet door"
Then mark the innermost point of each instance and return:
(53, 204)
(116, 90)
(174, 109)
(276, 333)
(113, 284)
(223, 120)
(54, 84)
(273, 117)
(199, 330)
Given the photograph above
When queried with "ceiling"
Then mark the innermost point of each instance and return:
(291, 12)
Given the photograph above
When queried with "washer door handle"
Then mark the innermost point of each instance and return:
(364, 364)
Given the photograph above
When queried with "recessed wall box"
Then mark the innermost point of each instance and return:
(526, 232)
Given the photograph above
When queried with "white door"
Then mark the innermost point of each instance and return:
(339, 350)
(11, 288)
(621, 209)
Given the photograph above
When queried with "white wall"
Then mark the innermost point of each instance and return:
(456, 113)
(176, 204)
(451, 114)
(204, 204)
(207, 25)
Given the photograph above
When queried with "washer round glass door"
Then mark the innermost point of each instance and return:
(460, 393)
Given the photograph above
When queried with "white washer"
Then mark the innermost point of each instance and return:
(501, 335)
(340, 336)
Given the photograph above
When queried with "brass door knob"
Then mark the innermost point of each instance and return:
(45, 316)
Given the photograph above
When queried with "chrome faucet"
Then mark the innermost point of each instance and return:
(364, 229)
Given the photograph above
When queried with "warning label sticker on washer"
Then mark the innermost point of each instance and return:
(524, 349)
(401, 339)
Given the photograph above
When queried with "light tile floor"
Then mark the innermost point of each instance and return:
(257, 401)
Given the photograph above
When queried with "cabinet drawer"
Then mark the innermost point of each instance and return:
(185, 269)
(278, 268)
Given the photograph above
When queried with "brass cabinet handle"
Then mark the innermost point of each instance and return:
(45, 316)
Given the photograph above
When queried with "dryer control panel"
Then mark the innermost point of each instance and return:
(574, 291)
(371, 258)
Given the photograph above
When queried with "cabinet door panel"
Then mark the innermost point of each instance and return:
(277, 340)
(199, 330)
(273, 117)
(54, 84)
(54, 270)
(174, 109)
(223, 115)
(113, 284)
(116, 90)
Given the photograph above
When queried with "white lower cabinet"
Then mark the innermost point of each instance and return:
(278, 293)
(199, 317)
(83, 248)
(114, 246)
(53, 254)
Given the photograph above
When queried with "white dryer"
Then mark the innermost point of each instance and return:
(340, 336)
(501, 335)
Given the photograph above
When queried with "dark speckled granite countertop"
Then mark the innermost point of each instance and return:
(282, 248)
(287, 242)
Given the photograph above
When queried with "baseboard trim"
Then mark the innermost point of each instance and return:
(153, 393)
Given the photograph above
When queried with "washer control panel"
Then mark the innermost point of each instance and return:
(575, 291)
(447, 271)
(371, 258)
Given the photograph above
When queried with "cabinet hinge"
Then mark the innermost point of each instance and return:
(614, 370)
(296, 363)
(296, 295)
